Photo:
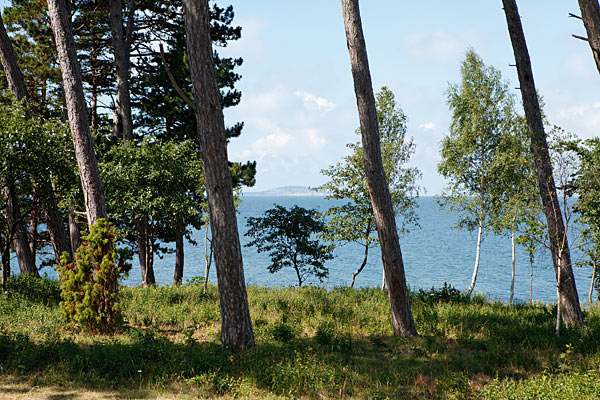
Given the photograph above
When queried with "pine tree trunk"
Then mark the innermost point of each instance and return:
(567, 291)
(179, 259)
(512, 276)
(590, 13)
(54, 222)
(121, 51)
(17, 231)
(477, 257)
(13, 213)
(236, 326)
(77, 112)
(385, 220)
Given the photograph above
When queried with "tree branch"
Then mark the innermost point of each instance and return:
(177, 88)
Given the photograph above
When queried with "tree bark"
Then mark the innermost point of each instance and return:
(477, 257)
(77, 112)
(179, 259)
(121, 51)
(590, 14)
(145, 254)
(559, 246)
(594, 264)
(385, 221)
(236, 326)
(13, 214)
(207, 257)
(74, 232)
(512, 276)
(362, 266)
(16, 228)
(54, 222)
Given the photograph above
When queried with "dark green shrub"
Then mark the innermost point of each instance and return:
(445, 294)
(283, 332)
(89, 286)
(325, 333)
(44, 291)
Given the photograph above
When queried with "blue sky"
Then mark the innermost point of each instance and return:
(298, 100)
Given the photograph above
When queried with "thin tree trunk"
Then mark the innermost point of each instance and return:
(54, 222)
(236, 326)
(592, 283)
(143, 249)
(77, 112)
(385, 220)
(512, 276)
(20, 240)
(531, 279)
(5, 249)
(362, 266)
(477, 257)
(559, 246)
(590, 13)
(150, 279)
(207, 257)
(74, 232)
(121, 51)
(179, 259)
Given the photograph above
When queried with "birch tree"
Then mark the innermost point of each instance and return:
(482, 110)
(379, 193)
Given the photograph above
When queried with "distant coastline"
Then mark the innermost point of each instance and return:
(288, 191)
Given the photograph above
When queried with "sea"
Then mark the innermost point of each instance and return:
(433, 254)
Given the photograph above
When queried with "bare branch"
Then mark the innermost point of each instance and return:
(177, 88)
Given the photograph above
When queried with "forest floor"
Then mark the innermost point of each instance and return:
(310, 343)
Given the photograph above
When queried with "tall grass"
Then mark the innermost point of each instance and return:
(310, 342)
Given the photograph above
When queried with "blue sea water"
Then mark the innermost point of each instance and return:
(433, 254)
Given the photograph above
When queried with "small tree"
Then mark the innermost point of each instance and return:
(90, 300)
(289, 236)
(482, 111)
(353, 221)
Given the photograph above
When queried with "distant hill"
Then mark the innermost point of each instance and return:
(287, 191)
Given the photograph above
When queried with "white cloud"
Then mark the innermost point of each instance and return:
(582, 120)
(322, 103)
(427, 126)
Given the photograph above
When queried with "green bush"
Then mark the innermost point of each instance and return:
(43, 291)
(89, 286)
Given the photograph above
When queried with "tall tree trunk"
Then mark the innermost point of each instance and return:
(559, 246)
(512, 276)
(77, 112)
(590, 14)
(13, 214)
(477, 257)
(385, 220)
(236, 326)
(34, 220)
(179, 259)
(11, 68)
(121, 51)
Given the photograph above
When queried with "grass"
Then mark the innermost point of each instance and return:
(310, 343)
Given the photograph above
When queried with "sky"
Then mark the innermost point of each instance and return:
(298, 102)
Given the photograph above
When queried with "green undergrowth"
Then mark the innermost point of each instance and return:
(310, 343)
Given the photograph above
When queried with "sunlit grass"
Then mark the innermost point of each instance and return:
(310, 342)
